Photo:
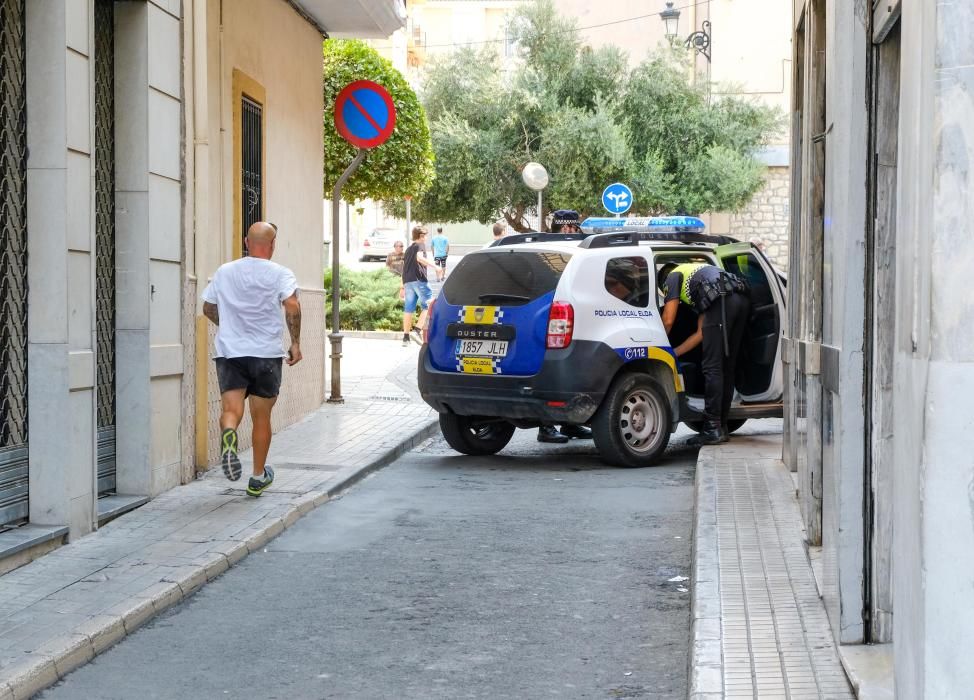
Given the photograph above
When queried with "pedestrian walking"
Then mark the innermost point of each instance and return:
(564, 221)
(417, 292)
(244, 300)
(499, 230)
(722, 303)
(394, 262)
(395, 258)
(441, 248)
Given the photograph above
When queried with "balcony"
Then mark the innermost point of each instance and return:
(360, 19)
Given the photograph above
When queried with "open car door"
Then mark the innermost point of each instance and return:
(760, 377)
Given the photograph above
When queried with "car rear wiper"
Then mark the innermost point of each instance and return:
(502, 296)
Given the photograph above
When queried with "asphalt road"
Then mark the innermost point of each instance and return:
(537, 573)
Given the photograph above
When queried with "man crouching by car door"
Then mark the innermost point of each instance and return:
(722, 304)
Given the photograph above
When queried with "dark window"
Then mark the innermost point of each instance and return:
(252, 165)
(104, 156)
(13, 263)
(628, 279)
(504, 278)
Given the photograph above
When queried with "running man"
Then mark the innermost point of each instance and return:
(244, 300)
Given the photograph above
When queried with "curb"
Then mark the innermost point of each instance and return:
(706, 662)
(373, 335)
(61, 655)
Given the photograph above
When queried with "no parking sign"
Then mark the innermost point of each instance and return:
(365, 115)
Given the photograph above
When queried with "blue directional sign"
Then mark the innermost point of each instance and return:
(617, 198)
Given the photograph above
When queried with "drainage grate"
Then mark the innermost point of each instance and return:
(401, 399)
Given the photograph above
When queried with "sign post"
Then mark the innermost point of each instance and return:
(409, 218)
(536, 178)
(365, 116)
(617, 198)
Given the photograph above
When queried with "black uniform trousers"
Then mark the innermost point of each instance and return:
(719, 366)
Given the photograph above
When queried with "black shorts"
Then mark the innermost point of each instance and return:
(440, 262)
(260, 376)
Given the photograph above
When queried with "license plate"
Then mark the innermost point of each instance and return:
(482, 348)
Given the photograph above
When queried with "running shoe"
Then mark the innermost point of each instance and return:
(418, 335)
(228, 454)
(256, 486)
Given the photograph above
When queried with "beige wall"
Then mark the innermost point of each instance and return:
(278, 55)
(637, 37)
(269, 42)
(441, 27)
(752, 50)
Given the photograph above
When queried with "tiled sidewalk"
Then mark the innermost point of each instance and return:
(759, 628)
(57, 612)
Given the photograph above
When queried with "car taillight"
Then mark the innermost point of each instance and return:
(561, 320)
(429, 322)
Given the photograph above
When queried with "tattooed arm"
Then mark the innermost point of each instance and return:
(211, 312)
(292, 314)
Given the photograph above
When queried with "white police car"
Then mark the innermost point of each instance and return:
(565, 329)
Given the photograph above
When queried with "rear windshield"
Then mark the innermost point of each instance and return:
(504, 278)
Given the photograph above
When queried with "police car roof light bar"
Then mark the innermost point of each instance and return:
(632, 236)
(537, 237)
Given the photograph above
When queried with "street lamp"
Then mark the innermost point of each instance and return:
(536, 178)
(698, 40)
(671, 20)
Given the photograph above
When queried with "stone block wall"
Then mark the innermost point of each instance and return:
(766, 219)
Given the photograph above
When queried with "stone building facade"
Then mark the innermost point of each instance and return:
(765, 220)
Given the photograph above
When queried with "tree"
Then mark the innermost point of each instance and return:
(401, 166)
(590, 122)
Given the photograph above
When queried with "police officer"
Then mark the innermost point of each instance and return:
(564, 221)
(721, 302)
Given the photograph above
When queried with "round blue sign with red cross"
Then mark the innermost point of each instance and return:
(364, 114)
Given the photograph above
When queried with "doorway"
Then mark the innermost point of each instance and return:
(880, 333)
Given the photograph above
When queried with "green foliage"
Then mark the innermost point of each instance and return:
(579, 148)
(403, 164)
(369, 300)
(589, 121)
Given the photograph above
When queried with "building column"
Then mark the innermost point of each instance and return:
(933, 479)
(60, 239)
(149, 351)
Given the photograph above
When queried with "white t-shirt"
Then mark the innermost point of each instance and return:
(248, 293)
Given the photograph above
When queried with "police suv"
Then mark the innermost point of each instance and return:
(552, 328)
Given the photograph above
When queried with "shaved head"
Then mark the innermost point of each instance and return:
(260, 239)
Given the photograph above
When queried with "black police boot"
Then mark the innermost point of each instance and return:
(577, 431)
(712, 433)
(548, 433)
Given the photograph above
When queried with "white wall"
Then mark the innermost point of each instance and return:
(843, 302)
(61, 357)
(933, 549)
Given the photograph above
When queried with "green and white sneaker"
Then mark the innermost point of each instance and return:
(256, 486)
(228, 454)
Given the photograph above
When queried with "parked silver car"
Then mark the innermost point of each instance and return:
(378, 244)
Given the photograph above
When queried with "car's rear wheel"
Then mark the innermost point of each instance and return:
(475, 436)
(632, 426)
(732, 425)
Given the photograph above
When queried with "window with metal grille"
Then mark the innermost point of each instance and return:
(251, 164)
(13, 263)
(104, 155)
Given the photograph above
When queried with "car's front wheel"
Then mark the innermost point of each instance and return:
(475, 436)
(632, 426)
